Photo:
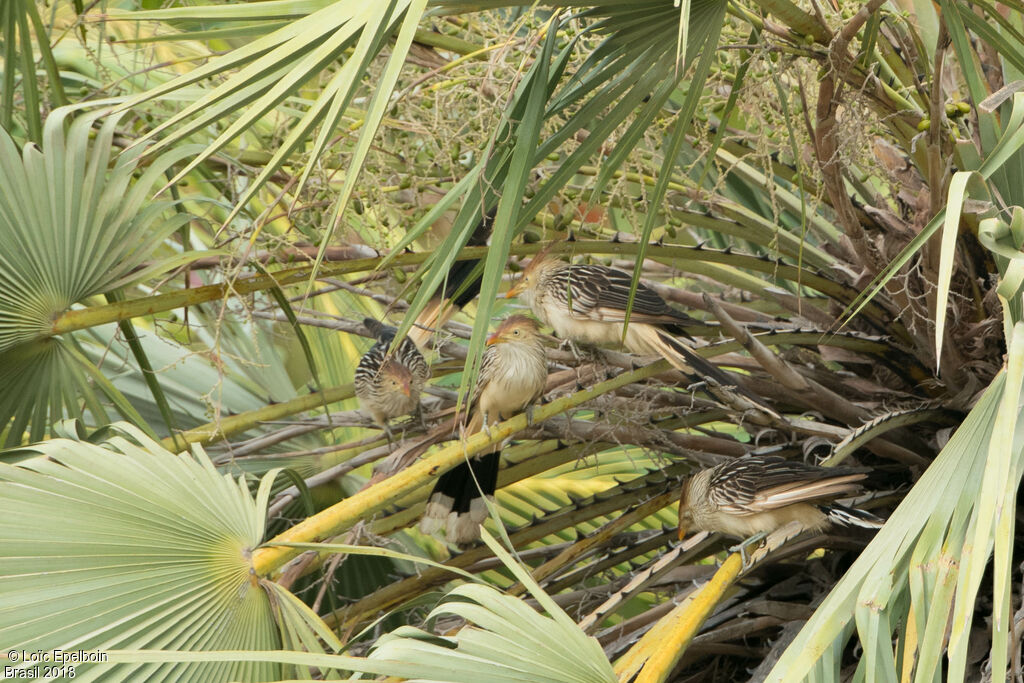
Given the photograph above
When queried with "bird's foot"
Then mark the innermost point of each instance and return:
(529, 415)
(577, 352)
(741, 548)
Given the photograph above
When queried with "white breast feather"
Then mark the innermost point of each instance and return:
(517, 379)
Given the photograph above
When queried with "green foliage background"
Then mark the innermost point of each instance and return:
(199, 202)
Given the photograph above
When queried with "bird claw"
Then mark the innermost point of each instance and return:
(529, 415)
(741, 548)
(574, 349)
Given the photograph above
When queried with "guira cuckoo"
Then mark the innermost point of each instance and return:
(512, 376)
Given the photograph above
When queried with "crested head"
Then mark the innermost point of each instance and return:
(543, 261)
(536, 272)
(515, 328)
(520, 321)
(545, 253)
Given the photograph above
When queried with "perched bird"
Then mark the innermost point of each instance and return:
(755, 495)
(587, 303)
(512, 376)
(388, 385)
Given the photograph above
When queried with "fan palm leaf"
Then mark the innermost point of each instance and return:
(73, 225)
(150, 550)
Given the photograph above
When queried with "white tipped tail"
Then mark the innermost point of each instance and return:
(686, 360)
(844, 516)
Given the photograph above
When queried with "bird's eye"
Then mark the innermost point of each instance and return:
(515, 332)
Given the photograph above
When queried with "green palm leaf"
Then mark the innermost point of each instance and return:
(73, 225)
(278, 65)
(132, 565)
(122, 545)
(16, 17)
(509, 641)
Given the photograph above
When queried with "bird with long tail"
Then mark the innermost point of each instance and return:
(513, 373)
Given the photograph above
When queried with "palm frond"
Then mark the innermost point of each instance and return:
(75, 225)
(150, 550)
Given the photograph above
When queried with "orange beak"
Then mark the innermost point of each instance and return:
(516, 290)
(493, 339)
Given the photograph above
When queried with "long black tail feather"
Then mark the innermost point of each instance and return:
(457, 502)
(383, 333)
(707, 369)
(462, 284)
(460, 287)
